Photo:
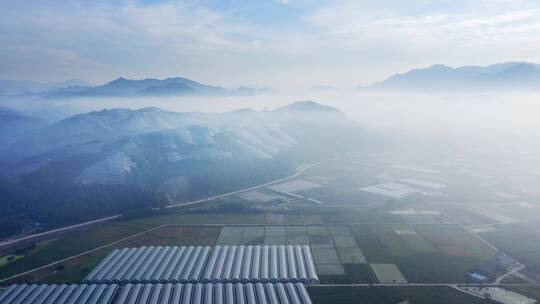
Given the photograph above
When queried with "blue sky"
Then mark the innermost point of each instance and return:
(283, 44)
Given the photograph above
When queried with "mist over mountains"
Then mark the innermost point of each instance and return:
(158, 155)
(120, 87)
(12, 123)
(502, 76)
(21, 87)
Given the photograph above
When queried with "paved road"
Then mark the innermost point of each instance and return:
(52, 233)
(511, 272)
(299, 171)
(79, 254)
(56, 232)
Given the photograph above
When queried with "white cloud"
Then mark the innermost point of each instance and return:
(343, 43)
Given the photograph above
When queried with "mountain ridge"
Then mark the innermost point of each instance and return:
(509, 75)
(253, 130)
(173, 86)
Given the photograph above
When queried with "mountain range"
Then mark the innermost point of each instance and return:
(13, 123)
(502, 76)
(20, 87)
(120, 87)
(110, 158)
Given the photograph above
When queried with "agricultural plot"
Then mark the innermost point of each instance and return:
(345, 252)
(484, 229)
(456, 241)
(275, 235)
(392, 295)
(256, 196)
(500, 295)
(275, 240)
(416, 169)
(295, 230)
(319, 179)
(339, 230)
(72, 271)
(423, 253)
(321, 241)
(520, 241)
(530, 291)
(298, 239)
(325, 256)
(463, 215)
(293, 186)
(500, 217)
(330, 270)
(391, 190)
(275, 218)
(379, 215)
(519, 211)
(317, 230)
(274, 231)
(47, 252)
(344, 241)
(388, 273)
(9, 258)
(360, 273)
(418, 213)
(349, 196)
(351, 255)
(422, 183)
(230, 235)
(318, 193)
(255, 236)
(327, 261)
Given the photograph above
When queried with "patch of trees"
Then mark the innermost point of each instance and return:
(56, 205)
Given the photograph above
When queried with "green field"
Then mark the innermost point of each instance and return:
(388, 273)
(391, 295)
(9, 259)
(422, 253)
(52, 250)
(526, 290)
(521, 241)
(74, 270)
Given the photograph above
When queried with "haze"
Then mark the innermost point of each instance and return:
(270, 152)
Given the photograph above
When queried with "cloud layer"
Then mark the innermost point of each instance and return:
(272, 43)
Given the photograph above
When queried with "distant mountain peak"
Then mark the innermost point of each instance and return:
(308, 106)
(440, 67)
(521, 68)
(510, 75)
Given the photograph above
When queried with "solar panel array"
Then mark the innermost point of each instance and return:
(218, 264)
(239, 293)
(59, 294)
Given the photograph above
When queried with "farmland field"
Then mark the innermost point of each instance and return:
(391, 295)
(388, 273)
(521, 241)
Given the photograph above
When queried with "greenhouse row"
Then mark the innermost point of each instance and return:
(200, 293)
(198, 264)
(59, 294)
(239, 293)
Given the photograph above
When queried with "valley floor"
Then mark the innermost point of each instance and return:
(366, 248)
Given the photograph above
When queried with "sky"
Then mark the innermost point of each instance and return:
(267, 43)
